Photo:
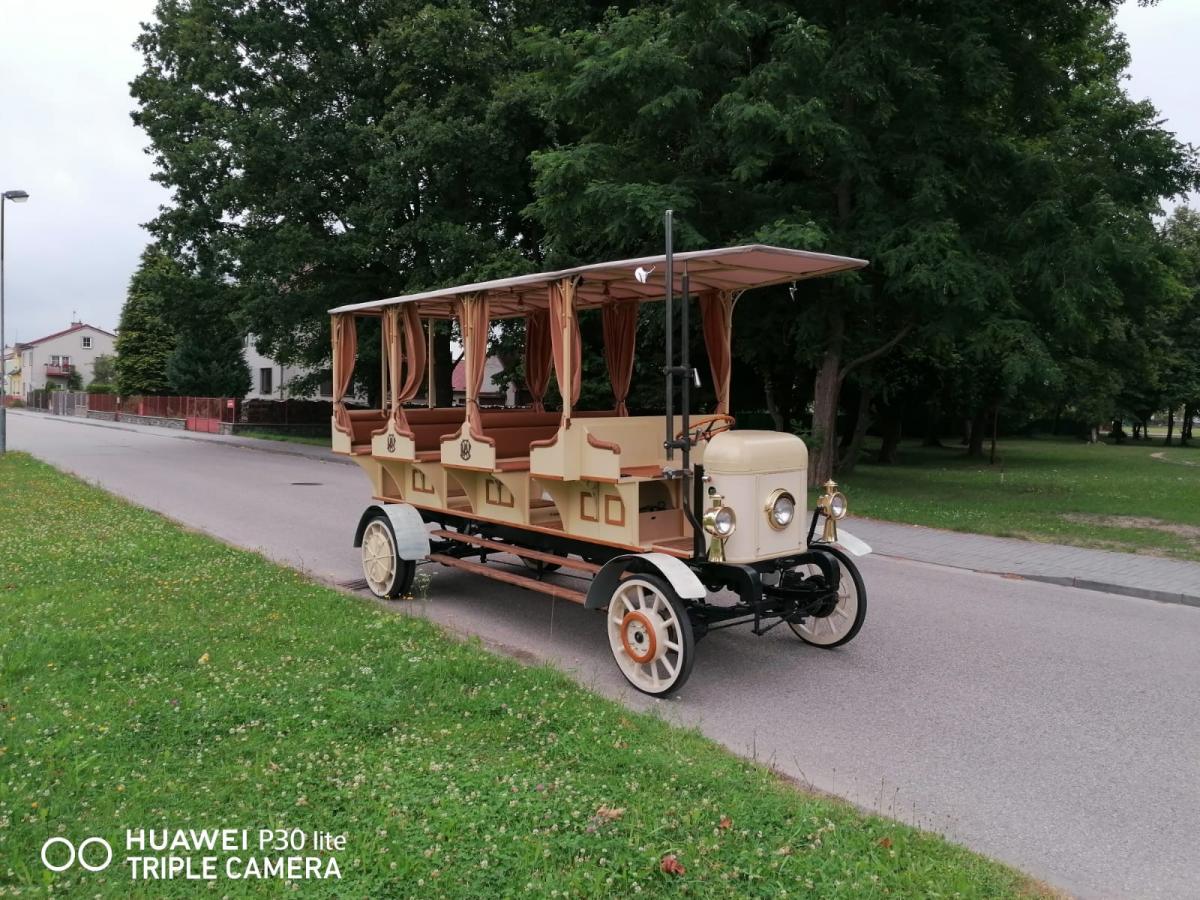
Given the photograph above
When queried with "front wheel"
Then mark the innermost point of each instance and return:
(387, 576)
(651, 635)
(844, 622)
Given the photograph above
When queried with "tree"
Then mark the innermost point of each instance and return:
(327, 153)
(144, 339)
(208, 362)
(104, 369)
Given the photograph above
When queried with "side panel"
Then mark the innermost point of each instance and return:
(412, 536)
(680, 577)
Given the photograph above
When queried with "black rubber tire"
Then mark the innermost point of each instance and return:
(687, 636)
(406, 569)
(848, 568)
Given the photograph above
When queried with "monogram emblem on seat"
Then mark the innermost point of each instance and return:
(464, 449)
(391, 443)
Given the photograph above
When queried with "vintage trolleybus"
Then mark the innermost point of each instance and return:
(678, 524)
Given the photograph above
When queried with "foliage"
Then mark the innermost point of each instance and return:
(983, 157)
(74, 381)
(144, 339)
(100, 387)
(104, 369)
(207, 687)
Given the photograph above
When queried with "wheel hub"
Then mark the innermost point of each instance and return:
(643, 635)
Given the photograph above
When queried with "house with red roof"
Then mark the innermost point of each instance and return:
(49, 361)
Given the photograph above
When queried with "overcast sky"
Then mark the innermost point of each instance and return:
(66, 138)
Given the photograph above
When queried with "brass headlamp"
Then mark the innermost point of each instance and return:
(834, 505)
(720, 522)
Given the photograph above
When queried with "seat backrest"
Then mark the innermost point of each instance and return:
(363, 422)
(639, 437)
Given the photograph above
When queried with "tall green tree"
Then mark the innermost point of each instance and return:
(325, 153)
(982, 156)
(144, 339)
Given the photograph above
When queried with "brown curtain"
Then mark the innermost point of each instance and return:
(620, 336)
(409, 330)
(345, 347)
(393, 357)
(473, 321)
(716, 309)
(539, 356)
(564, 337)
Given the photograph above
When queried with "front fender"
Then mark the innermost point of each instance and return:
(680, 577)
(412, 537)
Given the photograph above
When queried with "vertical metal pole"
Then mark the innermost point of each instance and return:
(685, 365)
(669, 327)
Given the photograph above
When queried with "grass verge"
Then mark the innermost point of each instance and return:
(151, 677)
(286, 438)
(1138, 497)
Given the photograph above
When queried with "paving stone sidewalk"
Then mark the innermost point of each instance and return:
(1151, 577)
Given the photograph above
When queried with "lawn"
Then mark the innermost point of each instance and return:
(288, 438)
(1138, 497)
(151, 677)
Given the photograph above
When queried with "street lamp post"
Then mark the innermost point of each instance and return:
(15, 197)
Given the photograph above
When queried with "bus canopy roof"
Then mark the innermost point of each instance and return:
(727, 269)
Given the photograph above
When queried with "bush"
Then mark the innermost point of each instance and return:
(99, 387)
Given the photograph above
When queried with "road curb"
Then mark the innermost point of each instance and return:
(1102, 587)
(1105, 587)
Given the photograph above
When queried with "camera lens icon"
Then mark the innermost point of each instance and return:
(74, 854)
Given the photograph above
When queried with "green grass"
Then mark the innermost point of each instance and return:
(288, 438)
(1117, 497)
(151, 677)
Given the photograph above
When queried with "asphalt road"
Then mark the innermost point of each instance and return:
(1053, 728)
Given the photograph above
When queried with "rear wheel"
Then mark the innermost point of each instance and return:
(387, 575)
(650, 635)
(846, 618)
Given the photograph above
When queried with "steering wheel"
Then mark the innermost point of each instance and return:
(704, 429)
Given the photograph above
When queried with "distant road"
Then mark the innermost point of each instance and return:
(1054, 728)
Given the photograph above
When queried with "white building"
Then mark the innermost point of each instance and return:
(50, 360)
(269, 380)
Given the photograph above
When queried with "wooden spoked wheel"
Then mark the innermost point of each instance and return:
(704, 429)
(844, 622)
(387, 575)
(650, 635)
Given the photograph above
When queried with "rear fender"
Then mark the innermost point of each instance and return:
(412, 537)
(678, 575)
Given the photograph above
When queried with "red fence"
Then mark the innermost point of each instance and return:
(197, 413)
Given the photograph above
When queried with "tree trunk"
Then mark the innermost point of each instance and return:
(827, 388)
(966, 433)
(1094, 434)
(1136, 429)
(995, 427)
(933, 426)
(824, 428)
(1170, 426)
(781, 401)
(443, 366)
(1118, 431)
(1185, 427)
(861, 423)
(891, 427)
(978, 423)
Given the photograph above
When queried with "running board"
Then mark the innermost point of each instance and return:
(545, 587)
(565, 562)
